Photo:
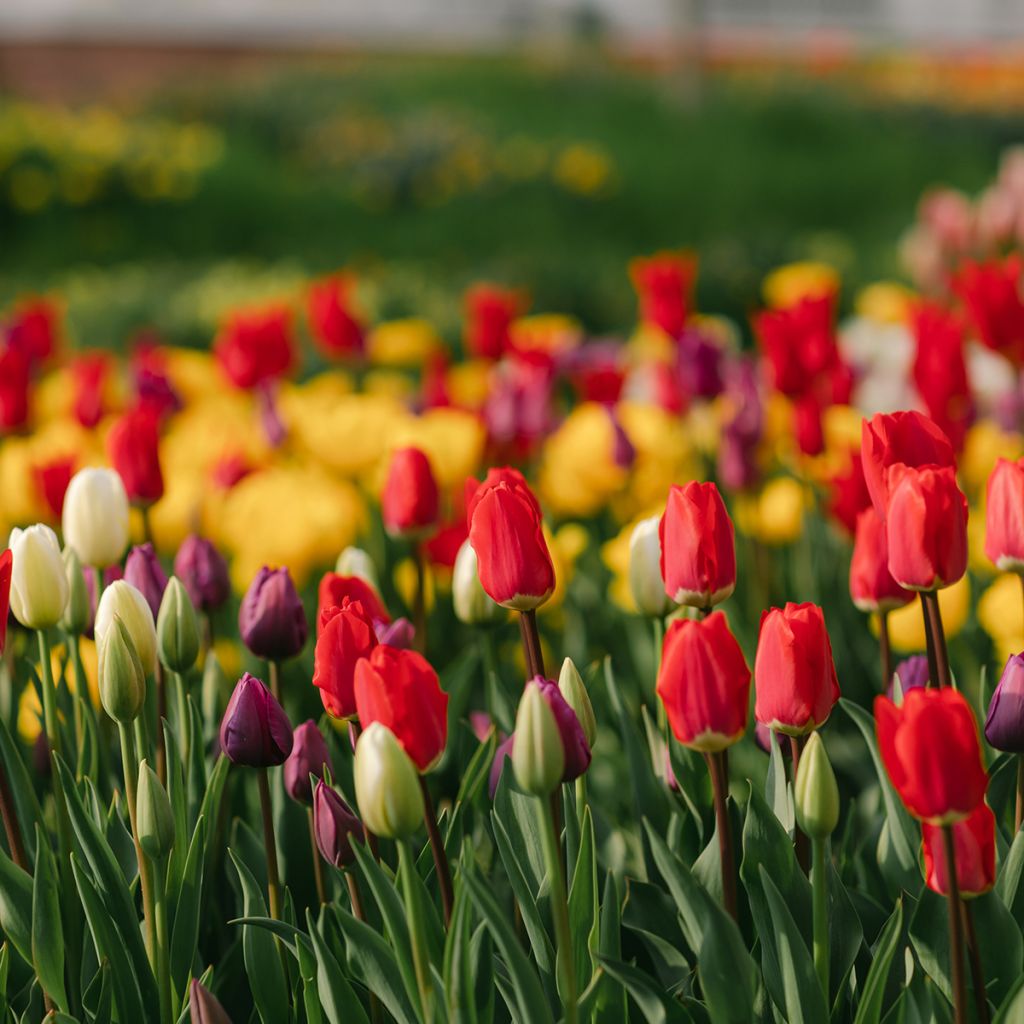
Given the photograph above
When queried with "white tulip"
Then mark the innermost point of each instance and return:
(645, 581)
(128, 604)
(39, 584)
(96, 517)
(472, 603)
(355, 561)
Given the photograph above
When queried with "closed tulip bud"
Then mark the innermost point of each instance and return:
(356, 562)
(203, 571)
(142, 569)
(704, 683)
(271, 619)
(124, 601)
(1004, 516)
(538, 754)
(95, 517)
(346, 635)
(334, 589)
(255, 730)
(1004, 726)
(929, 745)
(39, 583)
(77, 617)
(335, 825)
(698, 549)
(409, 504)
(570, 684)
(645, 582)
(974, 847)
(400, 634)
(204, 1007)
(122, 679)
(912, 674)
(6, 565)
(871, 584)
(387, 785)
(177, 633)
(154, 817)
(472, 604)
(816, 795)
(574, 740)
(308, 757)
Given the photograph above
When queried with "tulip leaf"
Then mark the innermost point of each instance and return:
(869, 1009)
(651, 914)
(23, 791)
(459, 990)
(650, 998)
(517, 813)
(16, 906)
(337, 997)
(186, 905)
(847, 936)
(47, 929)
(473, 781)
(307, 972)
(1008, 883)
(777, 791)
(1000, 942)
(178, 797)
(583, 904)
(1012, 1008)
(98, 997)
(611, 998)
(210, 808)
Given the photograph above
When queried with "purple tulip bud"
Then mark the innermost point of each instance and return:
(204, 1007)
(399, 633)
(1004, 726)
(577, 750)
(271, 620)
(201, 567)
(913, 673)
(308, 757)
(142, 569)
(255, 731)
(763, 738)
(503, 752)
(335, 826)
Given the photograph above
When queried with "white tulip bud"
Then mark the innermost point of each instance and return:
(96, 517)
(39, 582)
(122, 600)
(645, 582)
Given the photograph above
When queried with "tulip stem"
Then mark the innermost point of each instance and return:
(274, 671)
(414, 915)
(559, 908)
(796, 744)
(270, 843)
(885, 649)
(318, 870)
(659, 643)
(938, 657)
(974, 958)
(956, 936)
(163, 973)
(719, 772)
(441, 868)
(161, 715)
(531, 643)
(147, 526)
(184, 730)
(819, 896)
(419, 604)
(49, 695)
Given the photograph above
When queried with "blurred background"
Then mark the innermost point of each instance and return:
(161, 162)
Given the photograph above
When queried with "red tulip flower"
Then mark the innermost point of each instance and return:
(871, 584)
(6, 565)
(34, 330)
(346, 635)
(14, 388)
(849, 495)
(1004, 516)
(794, 674)
(88, 374)
(506, 532)
(704, 683)
(974, 843)
(940, 369)
(799, 345)
(52, 479)
(133, 445)
(402, 691)
(926, 525)
(256, 347)
(698, 550)
(664, 286)
(409, 504)
(490, 311)
(333, 591)
(930, 749)
(991, 293)
(333, 323)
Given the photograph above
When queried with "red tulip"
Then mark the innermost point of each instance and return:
(930, 749)
(808, 428)
(1004, 516)
(849, 495)
(443, 548)
(490, 311)
(34, 329)
(256, 347)
(505, 530)
(664, 286)
(799, 346)
(401, 690)
(889, 439)
(52, 480)
(332, 321)
(133, 445)
(871, 585)
(6, 560)
(991, 293)
(346, 635)
(704, 683)
(14, 388)
(794, 674)
(334, 589)
(940, 369)
(698, 552)
(974, 846)
(926, 525)
(88, 373)
(409, 504)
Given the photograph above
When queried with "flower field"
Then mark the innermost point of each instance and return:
(401, 645)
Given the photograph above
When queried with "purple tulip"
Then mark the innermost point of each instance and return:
(623, 451)
(271, 620)
(204, 1007)
(203, 571)
(255, 731)
(308, 757)
(399, 634)
(142, 569)
(913, 673)
(504, 751)
(1004, 726)
(335, 826)
(763, 738)
(577, 750)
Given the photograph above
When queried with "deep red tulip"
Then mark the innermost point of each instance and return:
(142, 569)
(794, 675)
(401, 690)
(346, 635)
(890, 439)
(133, 445)
(14, 388)
(991, 293)
(940, 369)
(974, 843)
(1004, 516)
(308, 757)
(271, 619)
(256, 347)
(808, 425)
(255, 731)
(506, 532)
(929, 745)
(88, 375)
(443, 548)
(664, 287)
(409, 504)
(926, 526)
(1004, 724)
(335, 588)
(704, 683)
(203, 571)
(34, 329)
(490, 311)
(871, 584)
(333, 323)
(849, 495)
(335, 825)
(799, 346)
(6, 561)
(52, 479)
(698, 549)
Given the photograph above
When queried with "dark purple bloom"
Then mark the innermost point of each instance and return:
(763, 738)
(504, 751)
(308, 757)
(203, 571)
(142, 569)
(399, 633)
(255, 731)
(271, 620)
(577, 750)
(1004, 726)
(335, 825)
(913, 673)
(204, 1007)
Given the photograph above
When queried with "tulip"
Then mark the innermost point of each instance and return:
(203, 571)
(336, 329)
(122, 600)
(849, 495)
(96, 517)
(704, 683)
(574, 739)
(271, 619)
(940, 368)
(38, 583)
(471, 602)
(816, 795)
(1004, 726)
(5, 594)
(334, 589)
(335, 826)
(387, 787)
(912, 673)
(574, 692)
(177, 633)
(256, 346)
(698, 555)
(77, 617)
(255, 730)
(356, 562)
(308, 757)
(122, 679)
(991, 293)
(664, 287)
(15, 381)
(538, 753)
(204, 1007)
(974, 841)
(645, 583)
(505, 529)
(400, 634)
(1004, 516)
(871, 586)
(926, 525)
(346, 636)
(794, 674)
(409, 503)
(929, 745)
(142, 569)
(133, 445)
(490, 311)
(52, 479)
(401, 690)
(154, 817)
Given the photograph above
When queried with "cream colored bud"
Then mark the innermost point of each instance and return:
(472, 604)
(645, 581)
(538, 754)
(39, 583)
(96, 517)
(572, 688)
(128, 604)
(356, 562)
(387, 784)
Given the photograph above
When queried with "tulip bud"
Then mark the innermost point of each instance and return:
(974, 844)
(154, 817)
(122, 679)
(538, 754)
(204, 1007)
(1004, 516)
(39, 585)
(77, 617)
(255, 730)
(472, 604)
(133, 445)
(400, 634)
(1004, 725)
(335, 826)
(387, 784)
(334, 589)
(142, 569)
(203, 571)
(308, 757)
(124, 601)
(912, 673)
(356, 562)
(570, 684)
(271, 619)
(95, 517)
(816, 796)
(177, 634)
(410, 500)
(645, 582)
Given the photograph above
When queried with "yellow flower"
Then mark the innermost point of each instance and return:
(650, 344)
(885, 302)
(551, 333)
(565, 545)
(469, 383)
(583, 169)
(409, 342)
(906, 626)
(194, 374)
(787, 285)
(1001, 614)
(405, 584)
(30, 712)
(984, 445)
(779, 516)
(452, 438)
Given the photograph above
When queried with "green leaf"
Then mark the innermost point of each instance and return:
(308, 972)
(179, 806)
(337, 997)
(611, 1002)
(23, 791)
(869, 1009)
(516, 811)
(98, 997)
(846, 935)
(47, 929)
(1000, 943)
(16, 906)
(650, 998)
(1012, 1009)
(777, 791)
(186, 905)
(459, 966)
(210, 809)
(1008, 883)
(583, 906)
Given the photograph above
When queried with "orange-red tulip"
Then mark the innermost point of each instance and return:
(974, 846)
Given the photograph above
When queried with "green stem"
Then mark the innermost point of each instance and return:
(49, 694)
(559, 907)
(162, 947)
(275, 679)
(270, 843)
(819, 895)
(956, 932)
(581, 799)
(417, 931)
(658, 629)
(181, 700)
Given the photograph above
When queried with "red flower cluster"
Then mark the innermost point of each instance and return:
(346, 634)
(991, 293)
(256, 347)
